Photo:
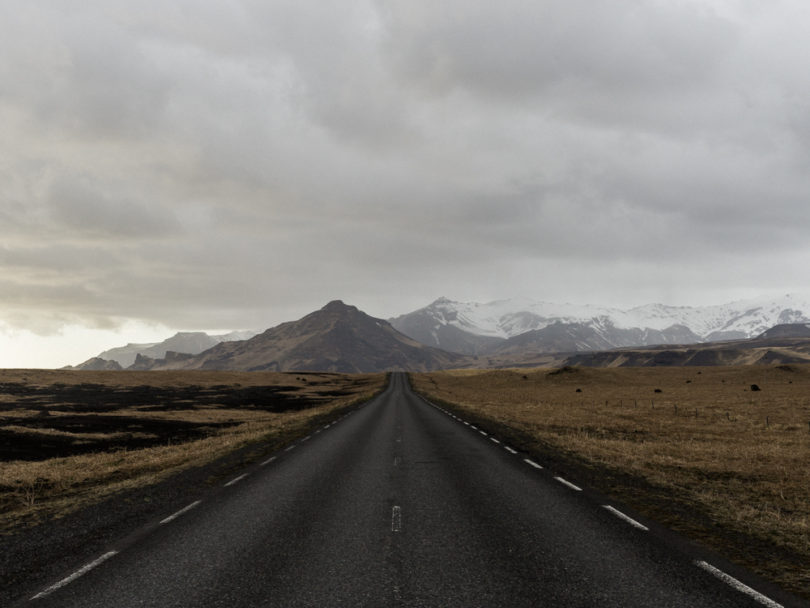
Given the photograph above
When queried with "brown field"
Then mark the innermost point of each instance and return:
(694, 448)
(71, 438)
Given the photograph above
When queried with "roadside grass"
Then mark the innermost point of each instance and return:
(33, 490)
(718, 453)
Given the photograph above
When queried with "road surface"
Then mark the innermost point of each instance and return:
(399, 504)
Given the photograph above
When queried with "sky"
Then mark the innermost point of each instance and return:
(198, 165)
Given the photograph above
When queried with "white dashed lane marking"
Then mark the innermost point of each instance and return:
(236, 480)
(567, 483)
(396, 519)
(738, 585)
(626, 518)
(510, 450)
(180, 512)
(532, 463)
(80, 572)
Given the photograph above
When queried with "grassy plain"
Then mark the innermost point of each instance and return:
(701, 450)
(71, 438)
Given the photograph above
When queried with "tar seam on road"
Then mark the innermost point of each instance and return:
(739, 586)
(532, 463)
(185, 509)
(568, 483)
(396, 519)
(80, 572)
(236, 480)
(626, 518)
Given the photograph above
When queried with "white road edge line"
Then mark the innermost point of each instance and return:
(565, 482)
(236, 480)
(268, 461)
(739, 586)
(396, 519)
(80, 572)
(626, 518)
(185, 509)
(532, 463)
(510, 450)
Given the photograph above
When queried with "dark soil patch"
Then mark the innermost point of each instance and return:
(86, 408)
(101, 398)
(138, 433)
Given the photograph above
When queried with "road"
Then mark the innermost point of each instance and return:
(398, 504)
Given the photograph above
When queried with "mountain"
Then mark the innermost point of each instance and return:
(182, 342)
(97, 364)
(600, 334)
(781, 345)
(789, 330)
(336, 338)
(473, 328)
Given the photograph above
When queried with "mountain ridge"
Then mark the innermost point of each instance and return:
(464, 326)
(340, 337)
(336, 338)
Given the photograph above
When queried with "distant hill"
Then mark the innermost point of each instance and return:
(790, 330)
(336, 338)
(182, 342)
(97, 364)
(781, 345)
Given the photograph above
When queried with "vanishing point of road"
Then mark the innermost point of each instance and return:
(399, 504)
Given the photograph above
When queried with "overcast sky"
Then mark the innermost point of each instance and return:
(202, 164)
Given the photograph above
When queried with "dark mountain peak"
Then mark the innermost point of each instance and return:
(336, 338)
(786, 330)
(339, 306)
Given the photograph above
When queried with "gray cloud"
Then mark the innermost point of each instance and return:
(204, 164)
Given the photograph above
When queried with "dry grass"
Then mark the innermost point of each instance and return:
(34, 489)
(707, 454)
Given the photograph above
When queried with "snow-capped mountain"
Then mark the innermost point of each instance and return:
(474, 328)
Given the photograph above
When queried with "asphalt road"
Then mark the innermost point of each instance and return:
(398, 504)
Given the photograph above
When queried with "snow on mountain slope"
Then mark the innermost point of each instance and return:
(508, 318)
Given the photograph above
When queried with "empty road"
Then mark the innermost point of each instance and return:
(398, 504)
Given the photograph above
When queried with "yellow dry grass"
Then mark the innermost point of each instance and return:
(30, 491)
(700, 439)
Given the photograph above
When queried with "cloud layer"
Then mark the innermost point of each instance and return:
(207, 164)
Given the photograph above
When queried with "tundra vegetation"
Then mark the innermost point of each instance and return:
(699, 449)
(72, 438)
